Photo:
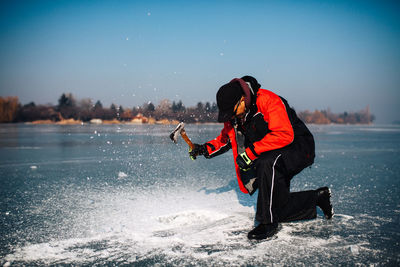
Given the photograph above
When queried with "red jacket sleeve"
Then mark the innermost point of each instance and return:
(221, 143)
(281, 131)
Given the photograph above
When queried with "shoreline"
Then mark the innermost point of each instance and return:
(111, 122)
(165, 122)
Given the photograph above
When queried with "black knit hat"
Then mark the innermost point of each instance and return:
(227, 97)
(253, 82)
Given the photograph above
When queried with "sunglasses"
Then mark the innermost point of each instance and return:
(236, 107)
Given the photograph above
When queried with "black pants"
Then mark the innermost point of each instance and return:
(275, 202)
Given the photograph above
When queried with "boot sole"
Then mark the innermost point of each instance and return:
(263, 236)
(332, 212)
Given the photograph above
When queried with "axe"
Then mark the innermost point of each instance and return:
(180, 130)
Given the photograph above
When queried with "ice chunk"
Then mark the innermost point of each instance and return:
(122, 175)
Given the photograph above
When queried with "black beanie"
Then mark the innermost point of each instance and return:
(227, 97)
(253, 82)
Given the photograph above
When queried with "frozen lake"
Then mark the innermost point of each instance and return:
(125, 194)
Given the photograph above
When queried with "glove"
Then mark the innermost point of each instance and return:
(249, 180)
(247, 172)
(197, 150)
(243, 161)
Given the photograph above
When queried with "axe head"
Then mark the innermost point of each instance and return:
(175, 134)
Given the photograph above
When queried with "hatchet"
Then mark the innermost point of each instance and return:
(180, 130)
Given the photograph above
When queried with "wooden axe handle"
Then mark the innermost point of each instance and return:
(186, 138)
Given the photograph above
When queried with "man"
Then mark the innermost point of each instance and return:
(270, 145)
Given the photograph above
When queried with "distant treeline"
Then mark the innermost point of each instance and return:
(69, 107)
(326, 117)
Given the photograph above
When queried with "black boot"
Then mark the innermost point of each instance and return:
(263, 231)
(324, 201)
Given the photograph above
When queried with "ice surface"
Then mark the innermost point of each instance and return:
(139, 200)
(196, 228)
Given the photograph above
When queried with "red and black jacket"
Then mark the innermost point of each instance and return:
(270, 125)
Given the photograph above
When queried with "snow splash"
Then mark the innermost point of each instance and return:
(185, 228)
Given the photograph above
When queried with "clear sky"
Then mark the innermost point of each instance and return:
(342, 55)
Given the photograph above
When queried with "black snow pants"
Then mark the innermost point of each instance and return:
(275, 202)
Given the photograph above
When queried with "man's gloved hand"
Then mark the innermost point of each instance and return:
(197, 150)
(243, 161)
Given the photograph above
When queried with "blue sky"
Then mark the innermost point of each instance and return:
(342, 55)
